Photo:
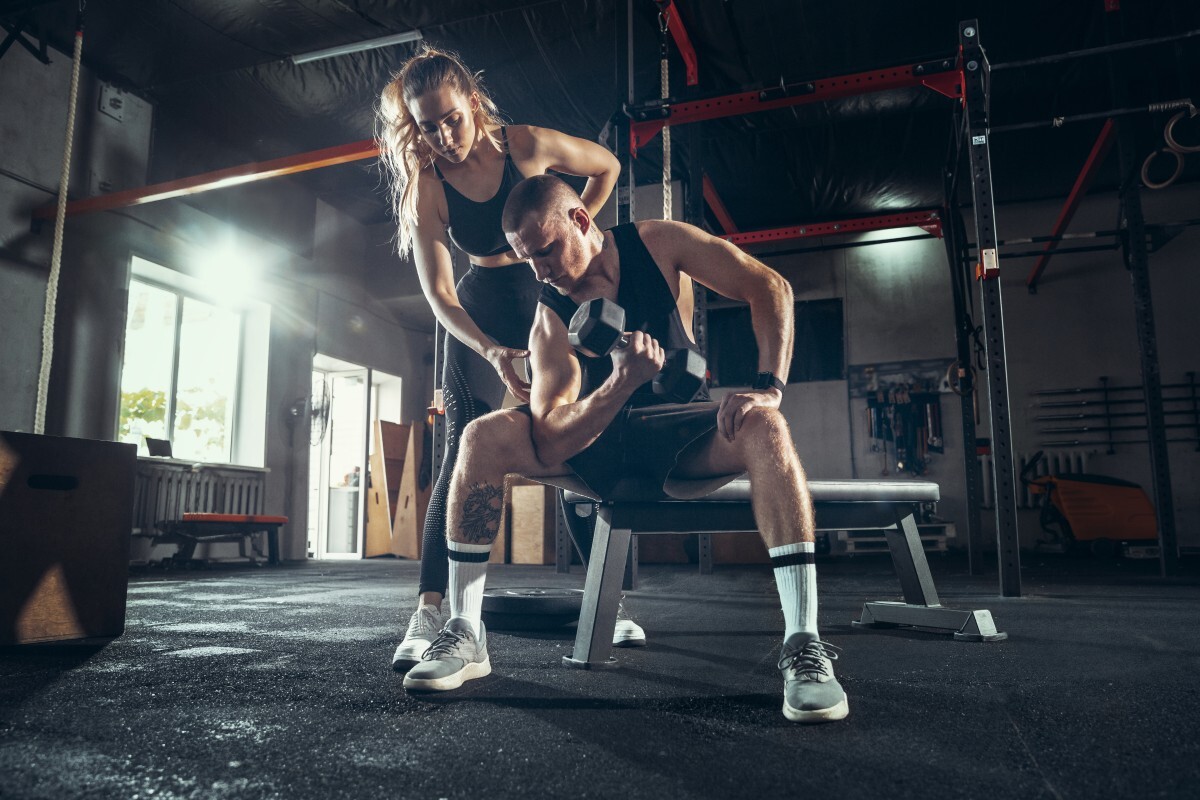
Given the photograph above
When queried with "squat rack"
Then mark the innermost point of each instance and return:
(964, 77)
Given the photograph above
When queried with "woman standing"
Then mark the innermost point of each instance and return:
(451, 164)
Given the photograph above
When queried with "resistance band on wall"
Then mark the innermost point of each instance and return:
(39, 414)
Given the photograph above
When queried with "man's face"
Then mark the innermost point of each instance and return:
(554, 247)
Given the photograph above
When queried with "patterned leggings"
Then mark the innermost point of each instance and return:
(501, 301)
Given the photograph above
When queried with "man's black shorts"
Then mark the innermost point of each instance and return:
(640, 448)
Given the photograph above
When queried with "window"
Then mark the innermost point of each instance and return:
(818, 353)
(190, 367)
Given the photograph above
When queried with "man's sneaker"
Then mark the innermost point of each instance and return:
(810, 692)
(456, 655)
(627, 633)
(423, 628)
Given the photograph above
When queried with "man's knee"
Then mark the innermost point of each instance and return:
(762, 423)
(499, 437)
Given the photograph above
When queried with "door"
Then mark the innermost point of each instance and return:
(339, 465)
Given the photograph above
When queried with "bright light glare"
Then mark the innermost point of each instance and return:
(226, 273)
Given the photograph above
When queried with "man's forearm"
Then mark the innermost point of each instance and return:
(772, 316)
(570, 429)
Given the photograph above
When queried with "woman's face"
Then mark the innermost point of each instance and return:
(446, 119)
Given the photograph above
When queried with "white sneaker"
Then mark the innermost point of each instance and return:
(459, 653)
(627, 633)
(810, 692)
(423, 628)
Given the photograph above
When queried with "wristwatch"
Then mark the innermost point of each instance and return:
(767, 380)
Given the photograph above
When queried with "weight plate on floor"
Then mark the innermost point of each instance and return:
(533, 601)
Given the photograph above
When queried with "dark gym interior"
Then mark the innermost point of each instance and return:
(987, 213)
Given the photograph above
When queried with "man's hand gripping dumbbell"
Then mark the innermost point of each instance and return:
(598, 328)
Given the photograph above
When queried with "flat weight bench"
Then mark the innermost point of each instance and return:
(839, 505)
(196, 528)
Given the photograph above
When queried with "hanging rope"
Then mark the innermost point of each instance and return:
(664, 81)
(39, 414)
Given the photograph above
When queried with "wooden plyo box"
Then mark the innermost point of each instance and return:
(532, 524)
(66, 524)
(412, 497)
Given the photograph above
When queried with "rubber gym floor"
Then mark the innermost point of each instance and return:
(275, 682)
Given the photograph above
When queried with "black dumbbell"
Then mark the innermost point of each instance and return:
(598, 327)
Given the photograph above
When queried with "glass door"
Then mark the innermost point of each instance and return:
(339, 465)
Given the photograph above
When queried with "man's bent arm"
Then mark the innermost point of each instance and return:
(727, 270)
(563, 424)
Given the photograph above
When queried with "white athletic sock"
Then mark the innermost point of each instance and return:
(468, 573)
(796, 579)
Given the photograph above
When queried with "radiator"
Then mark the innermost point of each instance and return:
(164, 490)
(1054, 462)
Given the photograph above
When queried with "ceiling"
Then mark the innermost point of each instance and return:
(225, 92)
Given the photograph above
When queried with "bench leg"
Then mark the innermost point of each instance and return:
(273, 544)
(922, 608)
(601, 594)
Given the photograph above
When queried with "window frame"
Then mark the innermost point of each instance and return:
(182, 287)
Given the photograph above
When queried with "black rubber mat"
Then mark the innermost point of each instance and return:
(276, 683)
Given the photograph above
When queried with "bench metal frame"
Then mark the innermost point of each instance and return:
(839, 505)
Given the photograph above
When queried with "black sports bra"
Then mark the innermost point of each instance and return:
(475, 227)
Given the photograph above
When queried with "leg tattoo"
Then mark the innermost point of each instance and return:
(481, 513)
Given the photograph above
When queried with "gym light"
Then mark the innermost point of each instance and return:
(358, 47)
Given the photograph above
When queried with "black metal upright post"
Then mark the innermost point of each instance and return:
(975, 92)
(1137, 261)
(964, 329)
(693, 213)
(626, 182)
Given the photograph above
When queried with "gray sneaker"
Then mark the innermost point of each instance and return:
(810, 692)
(456, 655)
(423, 628)
(627, 633)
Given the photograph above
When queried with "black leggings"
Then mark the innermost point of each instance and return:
(501, 301)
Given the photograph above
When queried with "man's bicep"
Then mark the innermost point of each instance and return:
(556, 376)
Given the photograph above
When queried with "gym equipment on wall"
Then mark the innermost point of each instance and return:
(906, 427)
(1099, 412)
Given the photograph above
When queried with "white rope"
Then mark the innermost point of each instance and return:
(39, 415)
(666, 139)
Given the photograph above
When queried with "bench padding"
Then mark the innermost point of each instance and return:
(844, 491)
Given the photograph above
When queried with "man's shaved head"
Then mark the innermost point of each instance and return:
(543, 197)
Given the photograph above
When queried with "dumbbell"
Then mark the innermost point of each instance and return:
(598, 327)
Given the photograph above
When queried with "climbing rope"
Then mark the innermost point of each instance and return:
(39, 416)
(665, 84)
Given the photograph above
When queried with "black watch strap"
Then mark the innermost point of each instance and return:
(767, 380)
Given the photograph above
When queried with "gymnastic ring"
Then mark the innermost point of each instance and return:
(1161, 184)
(1169, 132)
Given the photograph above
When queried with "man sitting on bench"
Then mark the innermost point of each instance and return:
(598, 421)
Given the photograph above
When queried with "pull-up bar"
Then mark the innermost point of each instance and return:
(943, 76)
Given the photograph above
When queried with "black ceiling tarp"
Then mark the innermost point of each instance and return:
(225, 92)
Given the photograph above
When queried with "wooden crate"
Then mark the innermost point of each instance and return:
(388, 457)
(412, 500)
(532, 524)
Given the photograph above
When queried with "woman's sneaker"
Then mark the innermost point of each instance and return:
(627, 633)
(457, 654)
(810, 692)
(423, 628)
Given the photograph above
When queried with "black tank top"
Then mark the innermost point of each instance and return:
(475, 227)
(649, 306)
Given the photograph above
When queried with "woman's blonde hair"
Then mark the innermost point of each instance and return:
(402, 150)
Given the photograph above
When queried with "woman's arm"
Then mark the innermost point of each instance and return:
(435, 269)
(551, 149)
